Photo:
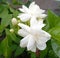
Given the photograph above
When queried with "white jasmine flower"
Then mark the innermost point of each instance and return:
(34, 36)
(33, 11)
(14, 21)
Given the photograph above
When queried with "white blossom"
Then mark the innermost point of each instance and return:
(33, 11)
(33, 35)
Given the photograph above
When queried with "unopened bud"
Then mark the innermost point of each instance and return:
(11, 30)
(14, 21)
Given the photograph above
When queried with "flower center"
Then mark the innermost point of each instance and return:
(36, 35)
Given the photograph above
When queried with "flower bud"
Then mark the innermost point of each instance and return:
(11, 30)
(14, 21)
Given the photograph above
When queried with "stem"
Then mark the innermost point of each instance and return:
(37, 53)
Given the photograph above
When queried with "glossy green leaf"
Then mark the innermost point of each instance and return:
(14, 12)
(3, 11)
(1, 52)
(6, 19)
(1, 8)
(33, 55)
(19, 51)
(55, 33)
(12, 36)
(43, 53)
(13, 47)
(5, 48)
(52, 20)
(56, 47)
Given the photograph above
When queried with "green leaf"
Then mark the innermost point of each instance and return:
(5, 48)
(5, 11)
(52, 20)
(14, 11)
(19, 51)
(12, 36)
(1, 50)
(55, 33)
(56, 47)
(1, 8)
(33, 55)
(13, 47)
(43, 53)
(6, 19)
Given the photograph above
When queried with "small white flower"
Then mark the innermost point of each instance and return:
(11, 30)
(14, 21)
(34, 36)
(33, 11)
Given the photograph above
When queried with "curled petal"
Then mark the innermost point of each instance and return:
(41, 46)
(41, 24)
(22, 32)
(31, 44)
(36, 24)
(47, 34)
(31, 5)
(25, 8)
(24, 41)
(42, 11)
(33, 21)
(22, 10)
(44, 37)
(25, 27)
(24, 17)
(42, 16)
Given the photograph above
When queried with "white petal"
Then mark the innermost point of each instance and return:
(22, 10)
(24, 41)
(35, 7)
(33, 49)
(41, 46)
(25, 27)
(22, 32)
(35, 10)
(41, 11)
(24, 17)
(44, 36)
(25, 8)
(41, 24)
(43, 15)
(36, 24)
(31, 5)
(33, 21)
(31, 44)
